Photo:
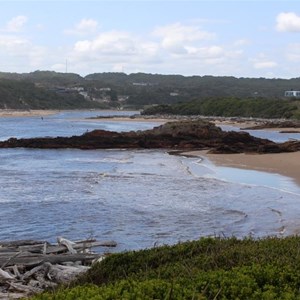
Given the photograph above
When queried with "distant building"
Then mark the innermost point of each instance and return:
(292, 94)
(105, 89)
(140, 83)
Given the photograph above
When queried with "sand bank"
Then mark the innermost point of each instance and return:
(128, 119)
(286, 164)
(26, 113)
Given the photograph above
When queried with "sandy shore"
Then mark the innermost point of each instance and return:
(286, 164)
(25, 113)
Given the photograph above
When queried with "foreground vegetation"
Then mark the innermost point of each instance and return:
(232, 107)
(210, 268)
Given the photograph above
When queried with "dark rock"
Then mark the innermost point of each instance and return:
(181, 135)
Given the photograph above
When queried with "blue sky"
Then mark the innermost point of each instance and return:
(231, 38)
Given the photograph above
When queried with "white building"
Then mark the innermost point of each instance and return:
(292, 94)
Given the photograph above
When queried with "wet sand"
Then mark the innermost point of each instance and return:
(286, 164)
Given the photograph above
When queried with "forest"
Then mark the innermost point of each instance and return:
(48, 89)
(231, 107)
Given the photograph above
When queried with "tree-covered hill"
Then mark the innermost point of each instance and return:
(140, 89)
(21, 94)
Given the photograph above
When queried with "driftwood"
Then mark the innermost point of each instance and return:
(28, 267)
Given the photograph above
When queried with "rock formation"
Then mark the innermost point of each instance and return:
(181, 135)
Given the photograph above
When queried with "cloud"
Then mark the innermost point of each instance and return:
(175, 37)
(16, 24)
(205, 52)
(262, 62)
(241, 42)
(85, 26)
(12, 43)
(19, 53)
(107, 43)
(174, 48)
(265, 64)
(288, 22)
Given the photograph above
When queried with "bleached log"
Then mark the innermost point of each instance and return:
(33, 271)
(20, 243)
(6, 275)
(25, 288)
(38, 248)
(69, 244)
(64, 274)
(8, 260)
(46, 248)
(16, 271)
(31, 261)
(81, 246)
(45, 283)
(11, 296)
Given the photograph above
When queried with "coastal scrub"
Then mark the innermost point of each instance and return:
(211, 268)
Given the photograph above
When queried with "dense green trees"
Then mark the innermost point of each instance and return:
(23, 94)
(231, 107)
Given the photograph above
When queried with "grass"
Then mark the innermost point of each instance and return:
(210, 268)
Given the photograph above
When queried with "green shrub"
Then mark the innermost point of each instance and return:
(210, 268)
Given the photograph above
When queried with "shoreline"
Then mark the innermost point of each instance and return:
(285, 164)
(12, 113)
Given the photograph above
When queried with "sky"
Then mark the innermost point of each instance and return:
(202, 37)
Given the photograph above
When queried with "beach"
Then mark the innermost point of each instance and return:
(286, 164)
(26, 113)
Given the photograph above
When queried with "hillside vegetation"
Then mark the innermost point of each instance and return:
(210, 268)
(26, 95)
(232, 107)
(140, 89)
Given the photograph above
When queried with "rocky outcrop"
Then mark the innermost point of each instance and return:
(181, 135)
(275, 124)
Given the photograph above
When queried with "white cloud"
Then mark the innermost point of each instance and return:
(85, 26)
(205, 52)
(21, 53)
(241, 42)
(16, 24)
(107, 43)
(176, 37)
(263, 62)
(12, 43)
(288, 22)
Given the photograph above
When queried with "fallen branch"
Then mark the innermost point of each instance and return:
(30, 267)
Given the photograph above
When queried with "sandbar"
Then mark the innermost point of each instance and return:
(286, 164)
(129, 119)
(8, 113)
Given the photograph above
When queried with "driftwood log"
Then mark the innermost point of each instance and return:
(28, 267)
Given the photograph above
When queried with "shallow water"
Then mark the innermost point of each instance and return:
(138, 198)
(275, 135)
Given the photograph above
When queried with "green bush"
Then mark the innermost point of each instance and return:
(210, 268)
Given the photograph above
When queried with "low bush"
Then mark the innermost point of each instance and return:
(210, 268)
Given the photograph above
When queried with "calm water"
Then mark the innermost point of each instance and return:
(138, 198)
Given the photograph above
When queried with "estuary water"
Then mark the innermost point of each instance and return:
(138, 198)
